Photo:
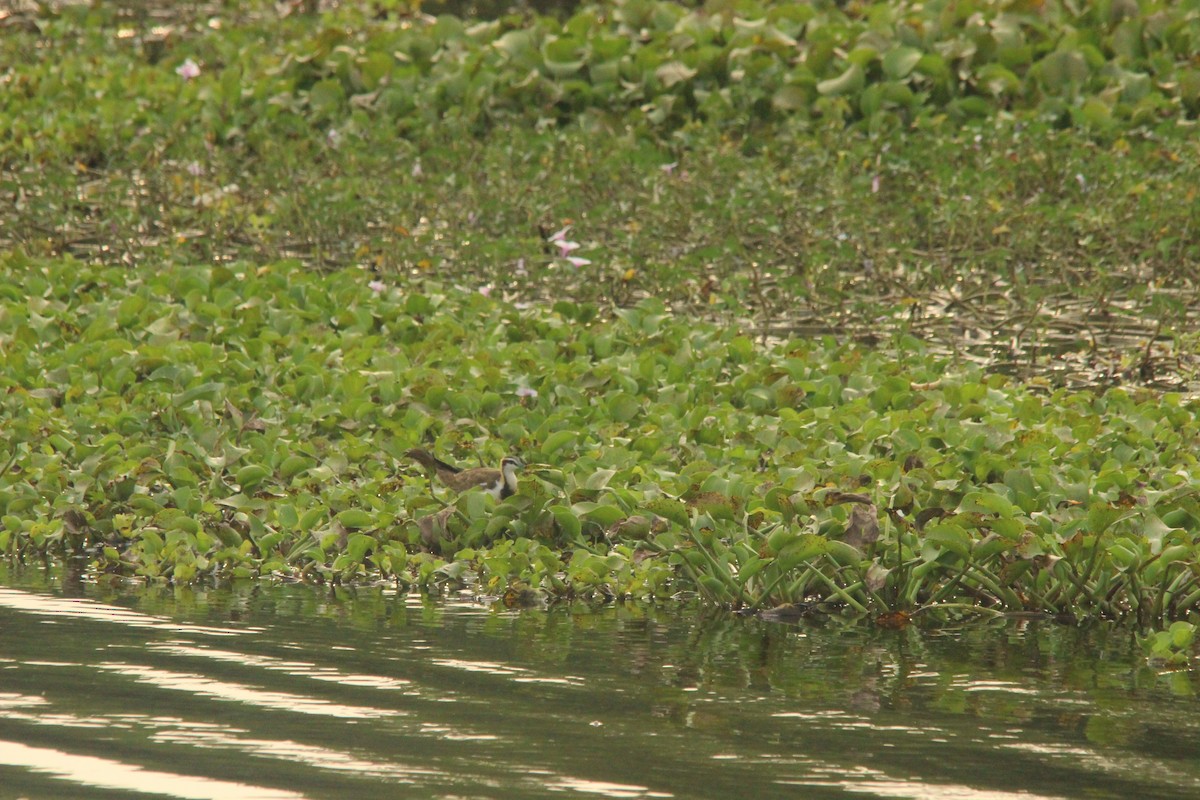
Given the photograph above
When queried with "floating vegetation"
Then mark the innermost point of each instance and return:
(233, 421)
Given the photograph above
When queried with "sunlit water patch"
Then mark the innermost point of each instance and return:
(100, 773)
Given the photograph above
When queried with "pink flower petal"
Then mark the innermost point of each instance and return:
(578, 262)
(188, 69)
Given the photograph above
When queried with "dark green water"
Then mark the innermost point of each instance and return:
(300, 692)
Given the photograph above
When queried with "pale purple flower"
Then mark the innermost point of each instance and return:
(416, 169)
(334, 137)
(194, 169)
(520, 270)
(376, 286)
(1082, 181)
(875, 185)
(188, 69)
(669, 168)
(565, 246)
(486, 291)
(525, 391)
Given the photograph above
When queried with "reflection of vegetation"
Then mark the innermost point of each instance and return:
(1172, 646)
(686, 645)
(650, 688)
(793, 162)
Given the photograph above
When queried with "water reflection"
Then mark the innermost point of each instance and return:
(302, 668)
(79, 608)
(106, 774)
(201, 686)
(345, 694)
(285, 750)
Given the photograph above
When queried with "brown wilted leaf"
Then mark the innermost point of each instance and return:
(74, 521)
(633, 527)
(520, 596)
(927, 515)
(433, 527)
(893, 619)
(863, 526)
(834, 498)
(641, 555)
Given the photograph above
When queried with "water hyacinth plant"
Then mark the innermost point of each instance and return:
(206, 422)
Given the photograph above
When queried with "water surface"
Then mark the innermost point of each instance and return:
(265, 691)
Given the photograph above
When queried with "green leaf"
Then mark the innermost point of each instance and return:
(326, 96)
(900, 61)
(669, 508)
(251, 476)
(599, 479)
(557, 441)
(210, 391)
(293, 465)
(948, 536)
(355, 518)
(984, 502)
(849, 82)
(358, 545)
(623, 407)
(604, 514)
(790, 98)
(1062, 71)
(567, 521)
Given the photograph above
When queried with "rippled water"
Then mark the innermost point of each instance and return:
(302, 692)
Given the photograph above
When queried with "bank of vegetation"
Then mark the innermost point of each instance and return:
(703, 268)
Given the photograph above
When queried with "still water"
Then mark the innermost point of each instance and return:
(288, 692)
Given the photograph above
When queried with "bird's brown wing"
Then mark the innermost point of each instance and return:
(470, 478)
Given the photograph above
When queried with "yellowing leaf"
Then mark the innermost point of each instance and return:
(674, 72)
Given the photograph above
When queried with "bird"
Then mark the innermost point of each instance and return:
(499, 483)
